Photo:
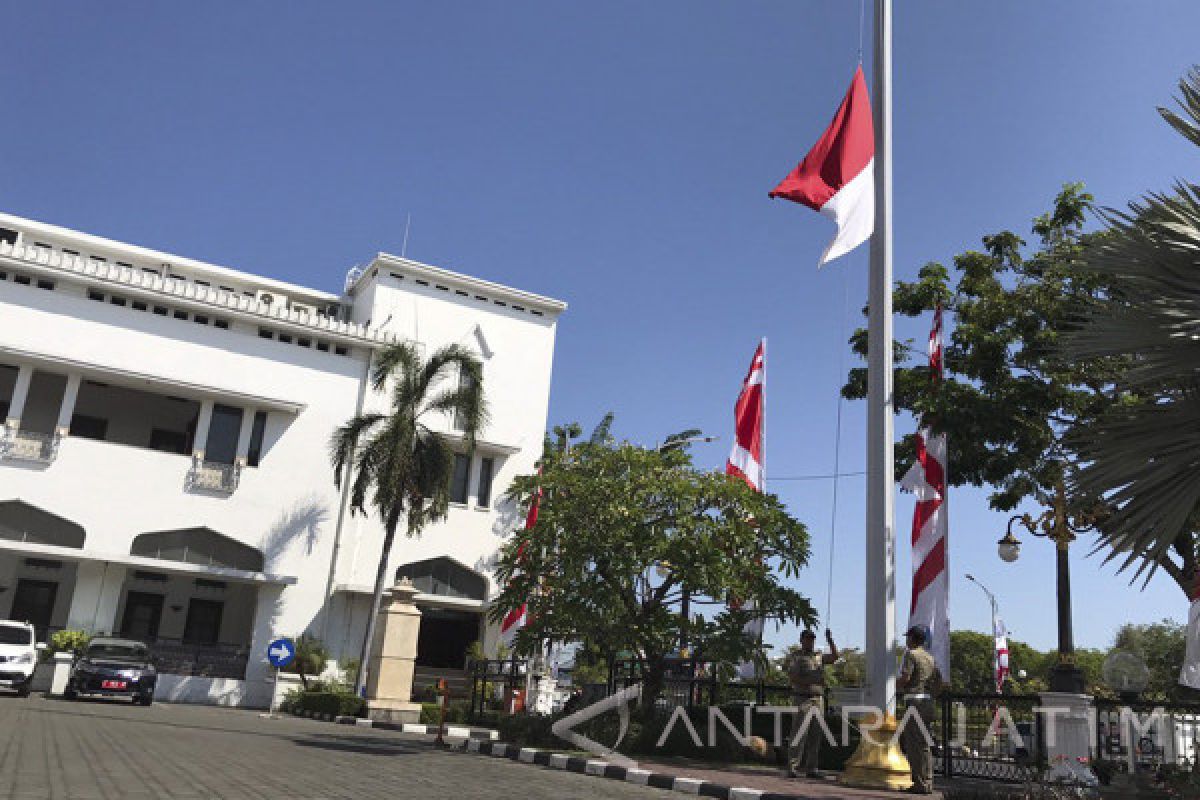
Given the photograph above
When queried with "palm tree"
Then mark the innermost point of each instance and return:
(1143, 458)
(394, 462)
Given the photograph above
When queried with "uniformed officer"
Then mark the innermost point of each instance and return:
(807, 677)
(919, 680)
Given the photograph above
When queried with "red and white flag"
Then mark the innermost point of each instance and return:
(515, 619)
(746, 458)
(1001, 634)
(837, 177)
(927, 479)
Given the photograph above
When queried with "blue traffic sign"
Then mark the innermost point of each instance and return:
(281, 652)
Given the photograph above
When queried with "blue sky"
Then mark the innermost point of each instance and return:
(616, 155)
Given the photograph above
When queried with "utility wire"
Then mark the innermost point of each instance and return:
(828, 477)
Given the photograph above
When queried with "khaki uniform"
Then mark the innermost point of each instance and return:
(922, 680)
(807, 677)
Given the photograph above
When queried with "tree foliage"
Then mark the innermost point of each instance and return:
(1144, 456)
(1006, 397)
(1162, 645)
(623, 530)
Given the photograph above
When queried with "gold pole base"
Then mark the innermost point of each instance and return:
(878, 762)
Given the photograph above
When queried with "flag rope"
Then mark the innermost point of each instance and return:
(837, 457)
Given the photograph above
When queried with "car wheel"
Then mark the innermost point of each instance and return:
(144, 700)
(69, 694)
(23, 691)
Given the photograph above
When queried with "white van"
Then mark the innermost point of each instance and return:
(18, 655)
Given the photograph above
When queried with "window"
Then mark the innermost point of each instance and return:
(45, 284)
(458, 481)
(341, 351)
(286, 338)
(117, 301)
(264, 333)
(94, 295)
(465, 381)
(160, 311)
(200, 319)
(168, 441)
(223, 324)
(259, 429)
(223, 431)
(138, 305)
(21, 279)
(487, 467)
(323, 346)
(203, 625)
(304, 341)
(180, 315)
(87, 427)
(8, 235)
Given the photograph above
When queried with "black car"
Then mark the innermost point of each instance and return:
(114, 668)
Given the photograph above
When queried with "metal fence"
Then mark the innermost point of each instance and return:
(690, 682)
(992, 737)
(1143, 735)
(494, 684)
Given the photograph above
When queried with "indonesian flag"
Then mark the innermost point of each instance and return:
(515, 620)
(1001, 634)
(746, 458)
(837, 177)
(746, 461)
(927, 480)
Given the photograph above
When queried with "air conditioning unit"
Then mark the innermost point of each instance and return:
(304, 308)
(271, 299)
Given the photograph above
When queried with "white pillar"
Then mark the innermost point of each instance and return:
(260, 675)
(1069, 737)
(200, 442)
(880, 528)
(67, 409)
(243, 442)
(96, 597)
(16, 406)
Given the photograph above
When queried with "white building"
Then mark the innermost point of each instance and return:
(164, 463)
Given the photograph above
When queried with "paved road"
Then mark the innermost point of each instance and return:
(97, 749)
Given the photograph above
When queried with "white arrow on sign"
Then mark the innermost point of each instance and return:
(279, 652)
(564, 728)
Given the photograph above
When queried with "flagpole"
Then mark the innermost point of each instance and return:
(880, 523)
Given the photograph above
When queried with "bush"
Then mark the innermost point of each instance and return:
(66, 641)
(342, 704)
(456, 713)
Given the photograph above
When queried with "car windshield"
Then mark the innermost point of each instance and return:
(11, 634)
(119, 652)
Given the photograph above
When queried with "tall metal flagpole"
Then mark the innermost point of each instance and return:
(880, 527)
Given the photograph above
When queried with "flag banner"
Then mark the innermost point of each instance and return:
(515, 619)
(927, 480)
(1001, 634)
(1189, 675)
(837, 177)
(746, 462)
(746, 457)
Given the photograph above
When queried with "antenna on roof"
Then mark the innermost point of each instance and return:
(407, 225)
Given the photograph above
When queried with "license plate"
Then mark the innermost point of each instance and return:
(112, 684)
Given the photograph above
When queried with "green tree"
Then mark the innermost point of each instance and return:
(622, 529)
(1006, 398)
(394, 461)
(1141, 457)
(1162, 645)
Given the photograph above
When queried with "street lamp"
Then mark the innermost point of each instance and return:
(992, 600)
(1059, 525)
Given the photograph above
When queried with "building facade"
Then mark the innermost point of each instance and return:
(164, 460)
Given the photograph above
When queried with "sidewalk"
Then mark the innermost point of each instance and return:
(769, 780)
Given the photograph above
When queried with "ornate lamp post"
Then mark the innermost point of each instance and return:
(1059, 525)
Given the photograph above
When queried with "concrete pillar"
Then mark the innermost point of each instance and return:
(393, 657)
(1069, 730)
(16, 406)
(260, 675)
(67, 409)
(243, 443)
(97, 596)
(200, 443)
(62, 671)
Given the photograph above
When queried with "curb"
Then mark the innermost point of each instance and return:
(602, 769)
(454, 731)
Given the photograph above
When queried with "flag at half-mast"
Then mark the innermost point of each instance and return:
(837, 177)
(746, 460)
(746, 457)
(515, 619)
(927, 480)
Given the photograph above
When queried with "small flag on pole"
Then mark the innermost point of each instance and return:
(837, 177)
(515, 619)
(1001, 634)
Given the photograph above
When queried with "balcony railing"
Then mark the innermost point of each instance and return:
(39, 448)
(210, 476)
